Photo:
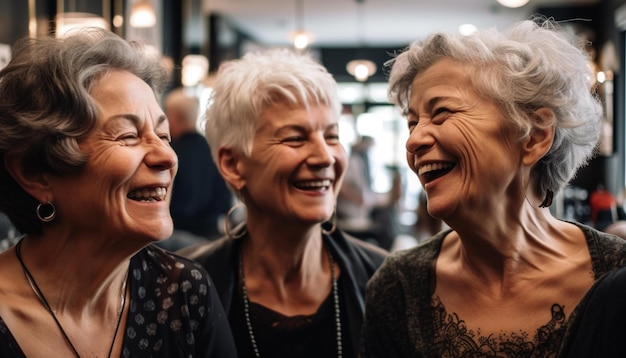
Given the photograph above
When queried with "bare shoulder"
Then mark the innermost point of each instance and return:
(11, 272)
(12, 279)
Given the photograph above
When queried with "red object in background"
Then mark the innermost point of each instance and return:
(603, 206)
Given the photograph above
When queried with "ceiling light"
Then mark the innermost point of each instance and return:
(361, 69)
(142, 14)
(300, 38)
(513, 3)
(467, 29)
(195, 69)
(118, 20)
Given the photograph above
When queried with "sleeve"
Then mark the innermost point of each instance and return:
(215, 338)
(600, 328)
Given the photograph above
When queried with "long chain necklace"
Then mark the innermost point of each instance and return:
(246, 305)
(44, 302)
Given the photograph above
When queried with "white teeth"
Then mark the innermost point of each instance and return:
(314, 184)
(148, 194)
(433, 166)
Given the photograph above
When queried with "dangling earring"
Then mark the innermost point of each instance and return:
(227, 222)
(333, 221)
(46, 212)
(548, 199)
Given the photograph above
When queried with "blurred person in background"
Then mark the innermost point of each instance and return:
(200, 197)
(498, 123)
(361, 211)
(86, 171)
(291, 282)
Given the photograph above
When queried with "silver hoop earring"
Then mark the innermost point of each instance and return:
(333, 221)
(46, 212)
(228, 229)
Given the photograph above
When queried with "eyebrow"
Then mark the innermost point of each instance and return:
(298, 127)
(162, 118)
(433, 101)
(429, 105)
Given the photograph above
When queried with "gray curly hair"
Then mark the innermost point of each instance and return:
(534, 64)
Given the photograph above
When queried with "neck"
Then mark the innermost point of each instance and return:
(284, 260)
(93, 286)
(53, 313)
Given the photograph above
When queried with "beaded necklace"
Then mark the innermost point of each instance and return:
(246, 305)
(44, 302)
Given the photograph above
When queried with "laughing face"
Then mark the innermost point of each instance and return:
(459, 144)
(123, 189)
(296, 166)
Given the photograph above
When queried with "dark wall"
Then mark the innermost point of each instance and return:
(14, 17)
(173, 45)
(14, 20)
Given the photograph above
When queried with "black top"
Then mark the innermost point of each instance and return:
(601, 328)
(308, 336)
(358, 261)
(174, 311)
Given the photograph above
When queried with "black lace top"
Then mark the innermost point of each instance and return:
(403, 319)
(174, 312)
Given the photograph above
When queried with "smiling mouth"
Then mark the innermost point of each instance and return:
(317, 185)
(433, 171)
(148, 194)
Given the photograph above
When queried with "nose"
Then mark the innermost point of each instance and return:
(160, 155)
(322, 153)
(421, 138)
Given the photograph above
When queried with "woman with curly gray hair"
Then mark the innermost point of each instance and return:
(498, 123)
(86, 172)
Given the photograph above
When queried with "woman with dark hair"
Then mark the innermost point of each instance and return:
(86, 172)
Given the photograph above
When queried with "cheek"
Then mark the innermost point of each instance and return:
(467, 140)
(341, 159)
(112, 171)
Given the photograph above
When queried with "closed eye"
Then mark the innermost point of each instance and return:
(129, 138)
(332, 138)
(294, 139)
(166, 138)
(441, 114)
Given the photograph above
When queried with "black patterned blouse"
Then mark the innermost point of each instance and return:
(174, 311)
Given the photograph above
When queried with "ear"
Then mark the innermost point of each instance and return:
(231, 167)
(32, 181)
(541, 136)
